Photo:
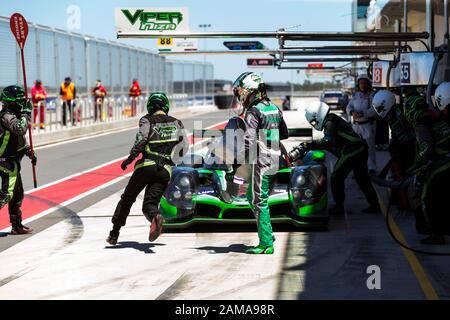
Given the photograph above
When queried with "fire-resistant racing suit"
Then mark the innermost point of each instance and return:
(402, 146)
(13, 147)
(365, 125)
(159, 138)
(432, 160)
(265, 127)
(351, 150)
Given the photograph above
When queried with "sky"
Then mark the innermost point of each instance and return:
(97, 19)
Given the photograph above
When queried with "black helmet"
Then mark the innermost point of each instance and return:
(13, 98)
(158, 101)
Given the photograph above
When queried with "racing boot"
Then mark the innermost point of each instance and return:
(337, 210)
(21, 229)
(156, 227)
(372, 209)
(435, 239)
(259, 249)
(113, 237)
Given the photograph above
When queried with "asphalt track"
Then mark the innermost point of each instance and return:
(67, 257)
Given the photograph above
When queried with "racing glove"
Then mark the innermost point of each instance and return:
(30, 154)
(126, 163)
(229, 175)
(306, 146)
(298, 151)
(420, 176)
(27, 108)
(419, 171)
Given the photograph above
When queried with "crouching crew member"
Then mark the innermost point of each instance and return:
(350, 149)
(402, 146)
(432, 166)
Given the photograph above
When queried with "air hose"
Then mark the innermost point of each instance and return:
(389, 227)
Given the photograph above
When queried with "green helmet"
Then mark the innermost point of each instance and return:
(248, 88)
(158, 101)
(13, 98)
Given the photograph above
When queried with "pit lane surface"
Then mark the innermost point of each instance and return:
(68, 258)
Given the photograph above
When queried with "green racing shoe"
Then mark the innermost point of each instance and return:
(259, 249)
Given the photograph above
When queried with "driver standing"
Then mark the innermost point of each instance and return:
(265, 127)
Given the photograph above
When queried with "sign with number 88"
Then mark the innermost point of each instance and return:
(165, 41)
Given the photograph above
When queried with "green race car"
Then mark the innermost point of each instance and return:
(210, 191)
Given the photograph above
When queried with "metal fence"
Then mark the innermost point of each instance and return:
(52, 55)
(83, 112)
(112, 108)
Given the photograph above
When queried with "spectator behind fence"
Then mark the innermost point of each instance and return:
(135, 92)
(38, 97)
(99, 92)
(68, 93)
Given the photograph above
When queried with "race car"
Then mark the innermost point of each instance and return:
(205, 191)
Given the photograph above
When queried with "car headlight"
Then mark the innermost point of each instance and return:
(177, 194)
(301, 180)
(182, 188)
(304, 185)
(184, 182)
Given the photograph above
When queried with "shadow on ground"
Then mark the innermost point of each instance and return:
(142, 247)
(218, 228)
(238, 248)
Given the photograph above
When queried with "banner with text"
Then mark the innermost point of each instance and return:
(152, 21)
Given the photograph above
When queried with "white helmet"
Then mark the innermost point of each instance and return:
(383, 101)
(248, 88)
(316, 113)
(442, 95)
(363, 76)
